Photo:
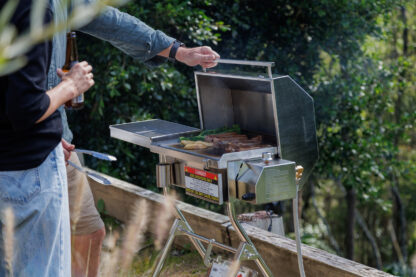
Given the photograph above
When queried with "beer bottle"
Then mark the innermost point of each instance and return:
(70, 60)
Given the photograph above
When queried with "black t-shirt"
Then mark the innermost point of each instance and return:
(23, 100)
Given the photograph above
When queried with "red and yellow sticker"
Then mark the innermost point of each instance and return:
(203, 184)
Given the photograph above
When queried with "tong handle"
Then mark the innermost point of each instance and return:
(96, 154)
(252, 63)
(92, 175)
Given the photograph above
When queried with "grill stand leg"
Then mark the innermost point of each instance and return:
(165, 185)
(166, 248)
(246, 250)
(179, 224)
(198, 245)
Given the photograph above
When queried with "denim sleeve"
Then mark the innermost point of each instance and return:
(130, 35)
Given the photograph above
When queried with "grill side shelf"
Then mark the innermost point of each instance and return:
(144, 133)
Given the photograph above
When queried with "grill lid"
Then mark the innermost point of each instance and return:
(274, 106)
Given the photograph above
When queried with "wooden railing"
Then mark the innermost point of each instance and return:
(279, 252)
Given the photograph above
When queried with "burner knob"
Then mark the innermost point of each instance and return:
(267, 157)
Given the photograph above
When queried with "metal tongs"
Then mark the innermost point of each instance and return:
(98, 155)
(98, 178)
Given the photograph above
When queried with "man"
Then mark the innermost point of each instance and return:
(140, 41)
(33, 182)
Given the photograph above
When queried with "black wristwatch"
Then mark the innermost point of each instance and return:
(174, 49)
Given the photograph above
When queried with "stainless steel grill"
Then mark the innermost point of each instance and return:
(275, 107)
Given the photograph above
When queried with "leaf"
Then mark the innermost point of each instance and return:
(7, 35)
(7, 12)
(11, 66)
(37, 16)
(101, 206)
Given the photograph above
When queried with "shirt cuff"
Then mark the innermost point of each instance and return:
(159, 42)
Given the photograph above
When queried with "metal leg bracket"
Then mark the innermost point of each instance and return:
(246, 252)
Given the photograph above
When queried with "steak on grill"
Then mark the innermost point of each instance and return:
(233, 142)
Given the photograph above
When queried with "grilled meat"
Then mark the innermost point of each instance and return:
(237, 143)
(241, 146)
(210, 138)
(226, 143)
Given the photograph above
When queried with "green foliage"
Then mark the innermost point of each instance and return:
(399, 270)
(292, 33)
(365, 112)
(348, 108)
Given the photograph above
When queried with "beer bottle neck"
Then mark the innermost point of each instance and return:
(74, 50)
(71, 51)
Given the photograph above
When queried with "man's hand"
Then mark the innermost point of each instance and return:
(203, 56)
(79, 77)
(67, 149)
(76, 81)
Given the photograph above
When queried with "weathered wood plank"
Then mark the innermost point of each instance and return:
(279, 252)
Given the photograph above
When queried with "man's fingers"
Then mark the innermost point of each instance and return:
(88, 68)
(67, 154)
(208, 55)
(207, 58)
(60, 73)
(207, 50)
(83, 63)
(67, 146)
(208, 65)
(85, 66)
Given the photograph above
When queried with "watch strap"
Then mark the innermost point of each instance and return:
(174, 49)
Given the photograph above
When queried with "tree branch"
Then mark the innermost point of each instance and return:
(361, 222)
(332, 240)
(371, 239)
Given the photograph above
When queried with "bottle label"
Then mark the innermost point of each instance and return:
(78, 99)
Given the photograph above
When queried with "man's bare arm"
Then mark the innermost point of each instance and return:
(78, 80)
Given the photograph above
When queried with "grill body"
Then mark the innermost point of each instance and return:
(276, 108)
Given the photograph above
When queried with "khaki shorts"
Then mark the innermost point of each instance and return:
(85, 218)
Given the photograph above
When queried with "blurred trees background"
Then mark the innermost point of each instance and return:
(356, 58)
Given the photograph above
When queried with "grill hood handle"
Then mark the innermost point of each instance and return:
(245, 62)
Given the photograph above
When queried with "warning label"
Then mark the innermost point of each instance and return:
(203, 184)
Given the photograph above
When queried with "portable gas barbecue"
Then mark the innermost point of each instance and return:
(272, 106)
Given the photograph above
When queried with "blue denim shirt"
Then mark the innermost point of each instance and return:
(122, 30)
